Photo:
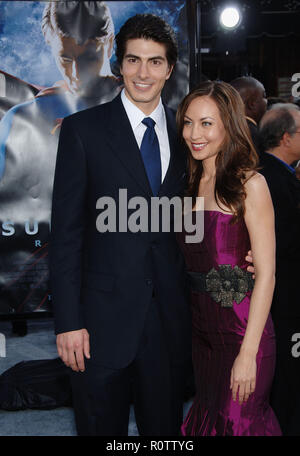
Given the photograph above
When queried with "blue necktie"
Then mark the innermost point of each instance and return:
(151, 155)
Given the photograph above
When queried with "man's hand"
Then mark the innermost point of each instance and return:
(250, 260)
(72, 346)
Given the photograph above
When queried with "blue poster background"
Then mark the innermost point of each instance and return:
(24, 53)
(34, 99)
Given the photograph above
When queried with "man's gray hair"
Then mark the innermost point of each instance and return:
(276, 122)
(290, 106)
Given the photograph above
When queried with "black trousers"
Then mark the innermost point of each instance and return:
(102, 396)
(285, 393)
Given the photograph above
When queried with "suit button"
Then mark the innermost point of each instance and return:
(149, 282)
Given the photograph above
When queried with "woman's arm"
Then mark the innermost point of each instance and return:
(259, 219)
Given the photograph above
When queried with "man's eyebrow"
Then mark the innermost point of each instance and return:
(132, 56)
(156, 57)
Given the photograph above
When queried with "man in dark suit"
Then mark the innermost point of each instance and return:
(121, 315)
(280, 139)
(253, 95)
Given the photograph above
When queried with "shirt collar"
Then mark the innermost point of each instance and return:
(136, 116)
(289, 167)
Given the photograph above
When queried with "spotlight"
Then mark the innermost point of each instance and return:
(230, 18)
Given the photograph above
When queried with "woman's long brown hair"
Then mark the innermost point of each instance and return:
(237, 154)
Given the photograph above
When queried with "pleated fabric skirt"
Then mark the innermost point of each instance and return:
(217, 338)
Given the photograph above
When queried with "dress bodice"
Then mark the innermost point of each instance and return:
(224, 242)
(220, 299)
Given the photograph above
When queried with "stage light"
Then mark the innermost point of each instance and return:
(230, 18)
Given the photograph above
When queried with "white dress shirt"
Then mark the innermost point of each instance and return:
(135, 116)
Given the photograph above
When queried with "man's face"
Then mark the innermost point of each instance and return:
(295, 138)
(145, 70)
(260, 104)
(80, 65)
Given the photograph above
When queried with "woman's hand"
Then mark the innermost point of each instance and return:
(243, 376)
(250, 268)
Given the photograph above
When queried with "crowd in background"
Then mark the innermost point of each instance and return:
(275, 128)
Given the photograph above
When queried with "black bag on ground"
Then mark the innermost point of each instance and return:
(42, 384)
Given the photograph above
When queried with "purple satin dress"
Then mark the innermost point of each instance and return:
(219, 319)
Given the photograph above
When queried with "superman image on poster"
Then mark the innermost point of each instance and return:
(57, 58)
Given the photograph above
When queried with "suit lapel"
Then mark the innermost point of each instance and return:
(176, 167)
(122, 140)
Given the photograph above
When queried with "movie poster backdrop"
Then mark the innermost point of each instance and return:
(40, 84)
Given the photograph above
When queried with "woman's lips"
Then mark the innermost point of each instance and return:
(198, 146)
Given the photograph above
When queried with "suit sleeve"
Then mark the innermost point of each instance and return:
(67, 230)
(286, 219)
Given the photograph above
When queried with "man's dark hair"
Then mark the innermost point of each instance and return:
(79, 20)
(148, 27)
(244, 83)
(275, 126)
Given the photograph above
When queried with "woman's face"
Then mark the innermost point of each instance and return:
(203, 128)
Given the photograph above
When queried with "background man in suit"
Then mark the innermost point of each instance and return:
(280, 139)
(121, 315)
(253, 95)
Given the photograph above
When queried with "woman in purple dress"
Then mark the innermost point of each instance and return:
(233, 335)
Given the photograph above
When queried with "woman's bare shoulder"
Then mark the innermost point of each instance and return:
(255, 181)
(258, 196)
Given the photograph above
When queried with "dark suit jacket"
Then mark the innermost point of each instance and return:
(285, 191)
(104, 282)
(254, 135)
